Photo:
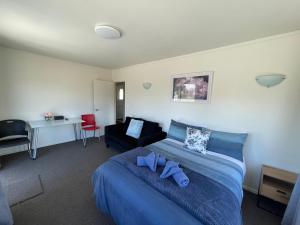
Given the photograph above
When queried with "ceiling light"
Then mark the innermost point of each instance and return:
(107, 32)
(147, 85)
(270, 80)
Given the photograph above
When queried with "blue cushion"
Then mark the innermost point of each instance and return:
(230, 144)
(231, 137)
(135, 128)
(177, 130)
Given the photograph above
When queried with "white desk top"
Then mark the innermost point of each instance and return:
(52, 123)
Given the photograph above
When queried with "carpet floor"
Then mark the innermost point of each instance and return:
(65, 171)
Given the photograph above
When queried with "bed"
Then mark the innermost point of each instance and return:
(134, 195)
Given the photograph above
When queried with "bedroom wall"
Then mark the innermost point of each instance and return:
(32, 84)
(238, 103)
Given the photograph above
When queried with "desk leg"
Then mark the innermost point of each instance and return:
(75, 131)
(34, 142)
(31, 141)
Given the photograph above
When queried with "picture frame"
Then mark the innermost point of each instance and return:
(192, 87)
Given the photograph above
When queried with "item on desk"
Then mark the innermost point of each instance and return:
(48, 115)
(59, 117)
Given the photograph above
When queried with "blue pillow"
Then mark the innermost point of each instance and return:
(135, 128)
(177, 130)
(230, 144)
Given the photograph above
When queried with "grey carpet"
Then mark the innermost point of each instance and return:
(65, 171)
(22, 190)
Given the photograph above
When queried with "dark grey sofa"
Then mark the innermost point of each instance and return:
(115, 135)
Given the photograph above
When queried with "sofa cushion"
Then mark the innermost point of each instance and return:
(135, 128)
(177, 130)
(149, 128)
(127, 122)
(124, 140)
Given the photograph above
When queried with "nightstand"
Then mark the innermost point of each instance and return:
(276, 185)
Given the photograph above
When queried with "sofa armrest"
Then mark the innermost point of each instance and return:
(112, 129)
(149, 139)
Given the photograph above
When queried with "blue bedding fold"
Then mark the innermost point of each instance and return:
(172, 169)
(152, 161)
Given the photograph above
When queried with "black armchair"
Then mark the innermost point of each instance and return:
(115, 135)
(13, 133)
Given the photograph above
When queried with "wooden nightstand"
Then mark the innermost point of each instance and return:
(276, 184)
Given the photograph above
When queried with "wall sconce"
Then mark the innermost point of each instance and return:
(270, 80)
(147, 85)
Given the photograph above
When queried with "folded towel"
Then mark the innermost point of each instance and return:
(161, 160)
(181, 179)
(151, 160)
(172, 169)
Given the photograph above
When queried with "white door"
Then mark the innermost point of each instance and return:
(104, 103)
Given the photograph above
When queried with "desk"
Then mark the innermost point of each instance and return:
(36, 125)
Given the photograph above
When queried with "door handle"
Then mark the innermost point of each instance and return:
(96, 110)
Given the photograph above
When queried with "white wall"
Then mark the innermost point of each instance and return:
(32, 84)
(238, 103)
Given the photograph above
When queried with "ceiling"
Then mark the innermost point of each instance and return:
(152, 29)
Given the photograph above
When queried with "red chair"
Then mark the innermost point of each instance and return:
(89, 124)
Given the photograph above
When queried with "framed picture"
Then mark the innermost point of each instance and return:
(192, 87)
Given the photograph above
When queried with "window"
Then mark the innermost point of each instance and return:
(121, 94)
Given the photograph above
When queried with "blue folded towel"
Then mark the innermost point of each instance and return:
(172, 169)
(151, 160)
(161, 160)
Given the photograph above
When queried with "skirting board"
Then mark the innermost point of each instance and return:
(250, 189)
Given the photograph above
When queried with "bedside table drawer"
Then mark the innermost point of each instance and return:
(276, 194)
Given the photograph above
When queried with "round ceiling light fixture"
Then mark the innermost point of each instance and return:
(107, 32)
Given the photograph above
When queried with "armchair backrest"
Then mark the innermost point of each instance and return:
(15, 128)
(89, 120)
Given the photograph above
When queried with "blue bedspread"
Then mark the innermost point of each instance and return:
(136, 195)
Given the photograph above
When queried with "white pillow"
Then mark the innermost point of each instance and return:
(196, 139)
(135, 128)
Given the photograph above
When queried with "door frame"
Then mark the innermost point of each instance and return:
(93, 98)
(116, 96)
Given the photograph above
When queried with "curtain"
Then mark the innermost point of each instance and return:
(292, 213)
(5, 213)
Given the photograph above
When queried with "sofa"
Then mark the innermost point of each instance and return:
(115, 135)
